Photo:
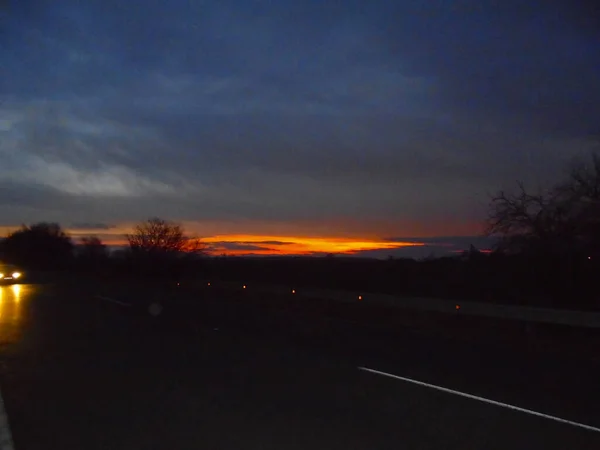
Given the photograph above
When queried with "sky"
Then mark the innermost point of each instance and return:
(375, 127)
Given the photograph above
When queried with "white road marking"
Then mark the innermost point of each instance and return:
(482, 399)
(6, 442)
(112, 300)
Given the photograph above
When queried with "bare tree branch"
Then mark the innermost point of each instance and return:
(159, 237)
(565, 216)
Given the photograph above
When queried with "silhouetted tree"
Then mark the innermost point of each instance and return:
(473, 254)
(563, 218)
(159, 237)
(582, 190)
(91, 251)
(162, 246)
(40, 246)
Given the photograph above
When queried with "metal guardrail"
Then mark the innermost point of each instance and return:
(510, 312)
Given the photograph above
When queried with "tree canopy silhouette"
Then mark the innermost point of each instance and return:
(158, 238)
(41, 246)
(92, 251)
(158, 246)
(564, 218)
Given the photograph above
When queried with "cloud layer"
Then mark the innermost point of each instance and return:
(365, 119)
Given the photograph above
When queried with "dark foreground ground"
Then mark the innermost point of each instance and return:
(217, 372)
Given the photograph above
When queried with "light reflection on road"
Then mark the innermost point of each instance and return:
(11, 299)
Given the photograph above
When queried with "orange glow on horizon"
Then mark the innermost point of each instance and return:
(286, 245)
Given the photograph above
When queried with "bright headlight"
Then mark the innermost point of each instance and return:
(1, 276)
(16, 274)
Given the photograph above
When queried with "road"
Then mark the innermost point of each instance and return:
(78, 371)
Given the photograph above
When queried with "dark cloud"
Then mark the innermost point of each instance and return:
(92, 226)
(28, 195)
(231, 246)
(276, 243)
(452, 242)
(320, 111)
(437, 247)
(523, 64)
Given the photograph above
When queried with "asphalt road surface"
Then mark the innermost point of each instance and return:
(78, 371)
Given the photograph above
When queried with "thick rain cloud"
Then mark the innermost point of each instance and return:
(380, 118)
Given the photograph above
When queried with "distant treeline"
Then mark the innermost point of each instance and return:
(552, 280)
(496, 277)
